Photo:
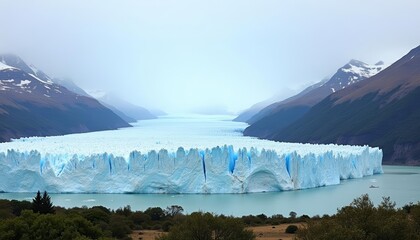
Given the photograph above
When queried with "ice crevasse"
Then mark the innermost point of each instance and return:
(222, 169)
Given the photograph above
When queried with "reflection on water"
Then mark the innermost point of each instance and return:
(399, 183)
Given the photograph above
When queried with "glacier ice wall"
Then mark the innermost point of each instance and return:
(215, 170)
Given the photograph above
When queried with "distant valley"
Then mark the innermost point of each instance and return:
(361, 104)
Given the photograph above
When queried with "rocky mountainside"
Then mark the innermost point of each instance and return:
(247, 115)
(31, 104)
(279, 115)
(380, 111)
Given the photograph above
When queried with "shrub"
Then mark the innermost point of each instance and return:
(96, 215)
(208, 226)
(119, 226)
(140, 218)
(291, 229)
(166, 226)
(155, 213)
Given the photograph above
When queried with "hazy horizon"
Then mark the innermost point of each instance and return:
(222, 56)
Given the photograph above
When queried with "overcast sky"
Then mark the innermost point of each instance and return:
(179, 55)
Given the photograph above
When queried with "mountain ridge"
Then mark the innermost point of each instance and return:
(131, 110)
(381, 111)
(281, 114)
(33, 105)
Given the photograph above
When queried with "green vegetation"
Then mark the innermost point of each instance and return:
(360, 220)
(41, 220)
(206, 226)
(42, 205)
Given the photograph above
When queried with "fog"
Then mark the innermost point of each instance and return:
(184, 55)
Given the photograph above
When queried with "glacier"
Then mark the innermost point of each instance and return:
(177, 155)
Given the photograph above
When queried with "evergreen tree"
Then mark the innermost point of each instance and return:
(42, 205)
(37, 203)
(46, 206)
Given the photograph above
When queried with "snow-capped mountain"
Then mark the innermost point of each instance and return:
(281, 114)
(19, 77)
(15, 80)
(381, 111)
(14, 61)
(351, 73)
(32, 104)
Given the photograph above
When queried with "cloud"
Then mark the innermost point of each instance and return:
(180, 55)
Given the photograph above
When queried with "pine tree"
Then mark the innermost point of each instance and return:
(46, 206)
(42, 205)
(37, 203)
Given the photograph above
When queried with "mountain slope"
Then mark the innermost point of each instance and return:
(247, 115)
(129, 109)
(31, 106)
(280, 115)
(14, 61)
(381, 111)
(70, 85)
(119, 113)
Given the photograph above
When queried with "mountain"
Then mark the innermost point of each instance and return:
(70, 85)
(32, 105)
(246, 115)
(119, 113)
(281, 114)
(157, 112)
(128, 109)
(254, 109)
(271, 107)
(16, 62)
(381, 111)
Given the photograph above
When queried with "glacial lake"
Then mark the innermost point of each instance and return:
(398, 182)
(171, 132)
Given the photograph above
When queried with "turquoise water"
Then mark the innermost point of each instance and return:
(399, 183)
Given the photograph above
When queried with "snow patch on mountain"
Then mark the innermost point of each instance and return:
(362, 69)
(351, 73)
(23, 83)
(43, 81)
(98, 94)
(4, 66)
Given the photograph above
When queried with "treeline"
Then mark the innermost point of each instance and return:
(360, 220)
(40, 220)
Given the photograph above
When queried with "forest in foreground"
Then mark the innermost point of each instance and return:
(361, 219)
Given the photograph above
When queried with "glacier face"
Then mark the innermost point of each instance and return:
(186, 155)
